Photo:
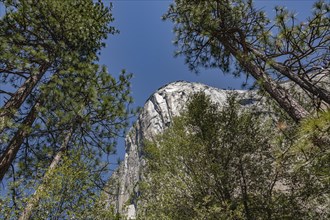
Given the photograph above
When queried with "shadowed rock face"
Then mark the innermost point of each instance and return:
(155, 116)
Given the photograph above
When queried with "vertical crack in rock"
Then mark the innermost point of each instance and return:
(169, 107)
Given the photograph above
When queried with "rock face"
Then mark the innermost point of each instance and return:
(155, 116)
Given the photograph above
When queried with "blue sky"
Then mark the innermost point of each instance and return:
(144, 47)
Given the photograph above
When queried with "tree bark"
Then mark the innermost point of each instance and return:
(34, 200)
(277, 92)
(321, 93)
(7, 112)
(13, 147)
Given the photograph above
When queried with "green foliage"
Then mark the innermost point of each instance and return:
(314, 131)
(54, 32)
(205, 31)
(224, 164)
(98, 119)
(69, 192)
(52, 47)
(238, 38)
(305, 155)
(200, 27)
(312, 159)
(39, 40)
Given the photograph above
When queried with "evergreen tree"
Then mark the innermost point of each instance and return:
(224, 33)
(67, 110)
(224, 164)
(42, 44)
(40, 39)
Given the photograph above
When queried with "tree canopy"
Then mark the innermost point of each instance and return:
(63, 111)
(229, 163)
(236, 37)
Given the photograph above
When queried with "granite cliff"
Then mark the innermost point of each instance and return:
(156, 115)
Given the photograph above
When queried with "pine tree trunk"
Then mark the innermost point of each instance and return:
(314, 89)
(13, 147)
(34, 200)
(277, 92)
(7, 112)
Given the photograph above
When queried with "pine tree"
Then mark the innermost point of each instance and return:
(227, 33)
(67, 109)
(42, 43)
(227, 163)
